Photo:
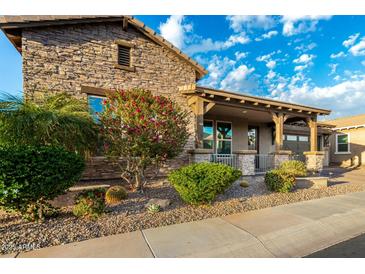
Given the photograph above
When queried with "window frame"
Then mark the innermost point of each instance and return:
(213, 126)
(217, 139)
(131, 47)
(348, 143)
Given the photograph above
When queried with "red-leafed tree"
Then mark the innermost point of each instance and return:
(145, 130)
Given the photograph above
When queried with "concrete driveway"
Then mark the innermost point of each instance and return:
(294, 230)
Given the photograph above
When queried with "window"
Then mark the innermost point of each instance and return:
(303, 139)
(124, 56)
(95, 106)
(342, 143)
(208, 136)
(291, 137)
(224, 138)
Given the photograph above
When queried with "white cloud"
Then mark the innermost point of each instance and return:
(174, 30)
(363, 63)
(351, 40)
(344, 98)
(293, 25)
(304, 59)
(300, 68)
(304, 48)
(267, 35)
(217, 68)
(205, 45)
(333, 68)
(246, 22)
(271, 74)
(359, 48)
(240, 55)
(271, 64)
(337, 55)
(236, 79)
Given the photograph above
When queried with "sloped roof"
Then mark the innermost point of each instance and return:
(11, 25)
(349, 121)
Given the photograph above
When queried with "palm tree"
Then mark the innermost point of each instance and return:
(59, 120)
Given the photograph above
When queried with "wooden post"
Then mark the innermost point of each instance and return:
(199, 114)
(279, 119)
(312, 123)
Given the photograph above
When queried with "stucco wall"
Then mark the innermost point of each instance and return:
(357, 148)
(240, 133)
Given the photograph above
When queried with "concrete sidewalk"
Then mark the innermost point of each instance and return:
(293, 230)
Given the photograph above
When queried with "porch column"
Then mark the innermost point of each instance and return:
(314, 159)
(312, 123)
(199, 114)
(279, 119)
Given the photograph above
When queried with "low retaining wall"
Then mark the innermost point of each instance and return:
(311, 182)
(102, 168)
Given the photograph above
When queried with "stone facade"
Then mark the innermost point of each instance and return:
(246, 162)
(314, 161)
(281, 156)
(200, 155)
(65, 58)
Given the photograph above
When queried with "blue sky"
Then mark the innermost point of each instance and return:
(314, 60)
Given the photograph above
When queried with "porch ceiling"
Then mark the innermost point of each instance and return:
(240, 112)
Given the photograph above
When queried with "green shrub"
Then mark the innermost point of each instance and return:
(279, 180)
(115, 194)
(29, 176)
(297, 168)
(201, 182)
(90, 204)
(153, 208)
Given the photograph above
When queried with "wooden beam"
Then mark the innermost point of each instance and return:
(242, 101)
(208, 107)
(255, 103)
(125, 23)
(227, 99)
(211, 96)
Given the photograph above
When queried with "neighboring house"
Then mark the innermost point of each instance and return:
(347, 143)
(87, 55)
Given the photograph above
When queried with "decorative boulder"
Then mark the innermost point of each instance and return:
(163, 203)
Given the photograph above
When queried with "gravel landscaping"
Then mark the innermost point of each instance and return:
(131, 215)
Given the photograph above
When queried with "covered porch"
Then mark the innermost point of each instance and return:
(254, 134)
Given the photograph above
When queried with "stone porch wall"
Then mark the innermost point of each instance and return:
(101, 168)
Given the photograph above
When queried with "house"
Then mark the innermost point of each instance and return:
(88, 55)
(347, 143)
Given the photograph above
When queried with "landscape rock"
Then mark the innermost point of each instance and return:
(163, 203)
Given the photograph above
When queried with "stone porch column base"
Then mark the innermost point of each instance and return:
(246, 161)
(281, 156)
(314, 160)
(200, 155)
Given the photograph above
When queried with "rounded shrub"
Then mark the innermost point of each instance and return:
(201, 182)
(279, 180)
(30, 176)
(115, 194)
(296, 168)
(90, 204)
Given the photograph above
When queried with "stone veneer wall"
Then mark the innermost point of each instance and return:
(64, 58)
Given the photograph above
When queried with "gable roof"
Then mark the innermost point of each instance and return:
(348, 122)
(12, 26)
